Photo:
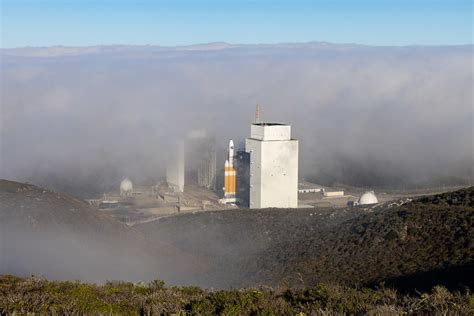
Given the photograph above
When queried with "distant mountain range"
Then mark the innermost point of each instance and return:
(56, 51)
(53, 51)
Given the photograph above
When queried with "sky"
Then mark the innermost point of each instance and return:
(185, 22)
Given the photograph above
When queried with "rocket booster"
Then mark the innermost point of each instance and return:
(229, 173)
(226, 178)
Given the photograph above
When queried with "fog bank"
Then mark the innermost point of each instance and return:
(81, 119)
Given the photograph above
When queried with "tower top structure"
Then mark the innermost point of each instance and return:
(273, 166)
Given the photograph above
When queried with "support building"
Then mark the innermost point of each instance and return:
(273, 166)
(175, 169)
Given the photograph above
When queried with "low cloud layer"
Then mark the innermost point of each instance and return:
(81, 119)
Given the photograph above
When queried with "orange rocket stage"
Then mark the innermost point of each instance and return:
(230, 176)
(229, 180)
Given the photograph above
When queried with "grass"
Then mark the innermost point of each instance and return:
(34, 295)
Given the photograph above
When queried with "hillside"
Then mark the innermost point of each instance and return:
(61, 237)
(429, 240)
(233, 240)
(410, 245)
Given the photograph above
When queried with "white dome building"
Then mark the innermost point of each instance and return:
(126, 187)
(368, 198)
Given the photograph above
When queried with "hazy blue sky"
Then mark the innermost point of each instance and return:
(178, 22)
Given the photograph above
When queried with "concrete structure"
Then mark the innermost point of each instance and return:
(368, 198)
(126, 187)
(206, 172)
(192, 161)
(314, 190)
(175, 169)
(242, 167)
(273, 166)
(333, 193)
(308, 187)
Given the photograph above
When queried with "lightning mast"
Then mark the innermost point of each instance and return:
(257, 113)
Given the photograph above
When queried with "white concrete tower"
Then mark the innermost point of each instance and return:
(273, 166)
(175, 169)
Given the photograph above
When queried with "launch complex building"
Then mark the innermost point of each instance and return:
(263, 175)
(266, 173)
(273, 166)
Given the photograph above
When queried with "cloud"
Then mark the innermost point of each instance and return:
(371, 116)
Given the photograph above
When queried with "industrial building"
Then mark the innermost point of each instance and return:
(126, 187)
(330, 194)
(193, 161)
(175, 169)
(308, 187)
(367, 198)
(264, 174)
(273, 165)
(206, 173)
(242, 167)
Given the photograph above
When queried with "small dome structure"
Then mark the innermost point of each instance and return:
(368, 198)
(126, 187)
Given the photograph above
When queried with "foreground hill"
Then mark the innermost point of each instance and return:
(420, 244)
(44, 297)
(61, 237)
(410, 245)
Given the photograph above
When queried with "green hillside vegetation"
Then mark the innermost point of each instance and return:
(32, 295)
(432, 234)
(412, 246)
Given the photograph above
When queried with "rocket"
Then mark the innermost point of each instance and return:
(229, 173)
(231, 153)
